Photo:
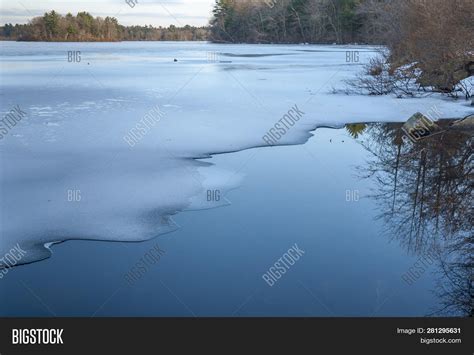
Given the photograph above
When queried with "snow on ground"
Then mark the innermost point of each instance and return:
(69, 172)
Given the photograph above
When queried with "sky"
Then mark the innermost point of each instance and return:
(143, 12)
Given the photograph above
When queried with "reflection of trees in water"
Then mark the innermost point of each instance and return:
(425, 193)
(456, 285)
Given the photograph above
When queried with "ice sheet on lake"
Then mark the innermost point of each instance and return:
(67, 172)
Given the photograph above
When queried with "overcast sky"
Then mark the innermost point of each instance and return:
(145, 12)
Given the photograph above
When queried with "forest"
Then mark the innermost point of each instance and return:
(333, 21)
(290, 21)
(53, 26)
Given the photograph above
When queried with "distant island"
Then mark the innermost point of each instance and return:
(84, 27)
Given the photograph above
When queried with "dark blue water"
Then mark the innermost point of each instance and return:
(312, 195)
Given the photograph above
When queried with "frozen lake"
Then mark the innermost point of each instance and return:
(118, 140)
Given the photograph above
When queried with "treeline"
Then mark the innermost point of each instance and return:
(84, 27)
(331, 21)
(290, 21)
